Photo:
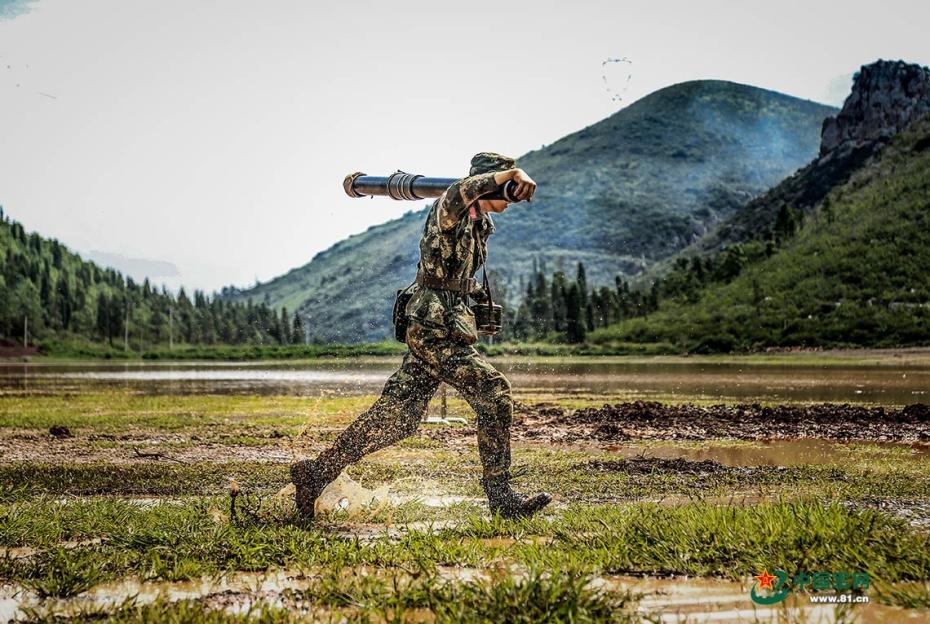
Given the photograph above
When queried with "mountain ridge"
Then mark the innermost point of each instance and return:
(619, 195)
(853, 275)
(886, 97)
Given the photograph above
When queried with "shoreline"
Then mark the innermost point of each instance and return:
(916, 357)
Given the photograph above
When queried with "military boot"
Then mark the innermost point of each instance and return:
(504, 501)
(309, 479)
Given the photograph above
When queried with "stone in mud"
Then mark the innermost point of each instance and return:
(59, 431)
(610, 431)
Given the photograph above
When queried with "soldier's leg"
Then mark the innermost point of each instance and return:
(393, 417)
(483, 386)
(487, 391)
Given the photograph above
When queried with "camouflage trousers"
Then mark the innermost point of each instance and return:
(433, 358)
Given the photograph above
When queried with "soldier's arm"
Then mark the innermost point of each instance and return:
(455, 201)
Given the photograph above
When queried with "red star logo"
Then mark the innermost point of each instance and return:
(765, 580)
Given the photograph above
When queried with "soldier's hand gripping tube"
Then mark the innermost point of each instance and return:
(411, 187)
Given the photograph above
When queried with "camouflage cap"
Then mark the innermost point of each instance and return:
(486, 162)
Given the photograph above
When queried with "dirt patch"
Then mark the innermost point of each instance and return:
(652, 465)
(658, 421)
(18, 351)
(699, 474)
(135, 449)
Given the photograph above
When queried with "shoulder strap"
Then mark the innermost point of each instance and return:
(486, 285)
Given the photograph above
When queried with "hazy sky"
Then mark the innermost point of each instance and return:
(215, 135)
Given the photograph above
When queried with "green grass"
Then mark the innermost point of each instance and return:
(143, 479)
(186, 611)
(190, 539)
(567, 474)
(121, 411)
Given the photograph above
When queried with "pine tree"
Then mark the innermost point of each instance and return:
(284, 325)
(557, 296)
(582, 284)
(574, 323)
(298, 335)
(540, 308)
(103, 316)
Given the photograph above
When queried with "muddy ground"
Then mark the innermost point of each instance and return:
(113, 491)
(541, 423)
(657, 421)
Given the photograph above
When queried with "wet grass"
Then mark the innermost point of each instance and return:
(186, 611)
(709, 519)
(119, 411)
(193, 538)
(142, 479)
(570, 474)
(337, 597)
(536, 597)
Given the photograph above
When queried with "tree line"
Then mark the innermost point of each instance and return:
(559, 309)
(46, 291)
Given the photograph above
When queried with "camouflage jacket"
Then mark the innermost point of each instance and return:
(454, 245)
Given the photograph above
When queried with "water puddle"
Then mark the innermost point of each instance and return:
(25, 552)
(885, 379)
(15, 602)
(686, 599)
(786, 452)
(346, 496)
(673, 599)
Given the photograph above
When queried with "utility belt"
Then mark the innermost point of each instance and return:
(464, 286)
(488, 315)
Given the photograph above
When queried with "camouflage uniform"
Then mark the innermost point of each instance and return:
(440, 333)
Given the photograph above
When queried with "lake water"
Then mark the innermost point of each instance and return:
(612, 379)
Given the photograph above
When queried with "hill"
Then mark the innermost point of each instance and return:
(854, 272)
(619, 196)
(885, 98)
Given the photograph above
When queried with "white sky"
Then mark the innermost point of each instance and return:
(215, 135)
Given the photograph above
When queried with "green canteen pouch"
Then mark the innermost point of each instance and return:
(399, 313)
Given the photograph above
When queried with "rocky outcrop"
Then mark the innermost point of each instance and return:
(886, 97)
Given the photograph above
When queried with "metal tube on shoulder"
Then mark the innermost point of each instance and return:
(409, 186)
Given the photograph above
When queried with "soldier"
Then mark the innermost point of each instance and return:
(440, 332)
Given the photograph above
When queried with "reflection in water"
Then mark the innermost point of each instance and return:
(613, 379)
(677, 599)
